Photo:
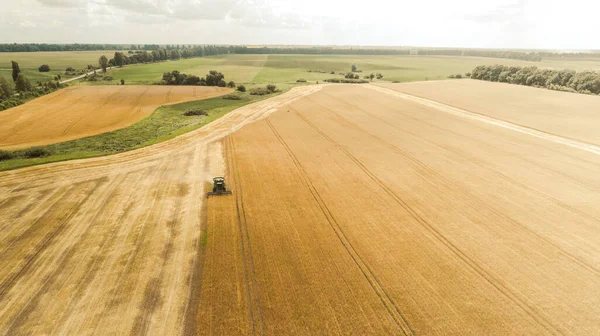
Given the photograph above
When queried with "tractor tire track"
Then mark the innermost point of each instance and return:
(465, 193)
(251, 280)
(529, 310)
(375, 284)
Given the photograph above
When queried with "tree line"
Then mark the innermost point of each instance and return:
(587, 82)
(319, 51)
(34, 47)
(145, 56)
(524, 56)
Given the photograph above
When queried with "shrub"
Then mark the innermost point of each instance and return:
(241, 88)
(272, 87)
(36, 152)
(301, 80)
(44, 68)
(71, 68)
(260, 91)
(232, 97)
(346, 81)
(231, 84)
(557, 87)
(107, 78)
(221, 83)
(4, 155)
(122, 82)
(195, 112)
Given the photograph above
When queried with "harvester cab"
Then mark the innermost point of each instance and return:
(219, 187)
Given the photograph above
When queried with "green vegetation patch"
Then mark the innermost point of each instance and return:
(165, 123)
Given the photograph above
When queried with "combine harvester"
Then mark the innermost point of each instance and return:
(219, 187)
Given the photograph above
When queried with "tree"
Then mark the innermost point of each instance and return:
(15, 70)
(175, 54)
(22, 83)
(371, 76)
(354, 68)
(241, 88)
(122, 82)
(214, 77)
(272, 87)
(5, 89)
(44, 68)
(119, 59)
(103, 62)
(231, 84)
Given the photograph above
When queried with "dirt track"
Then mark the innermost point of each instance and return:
(81, 111)
(355, 211)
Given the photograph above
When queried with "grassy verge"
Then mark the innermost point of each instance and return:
(163, 124)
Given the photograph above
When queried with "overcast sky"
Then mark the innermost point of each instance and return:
(545, 24)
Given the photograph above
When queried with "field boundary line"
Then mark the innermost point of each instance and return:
(384, 297)
(591, 148)
(458, 252)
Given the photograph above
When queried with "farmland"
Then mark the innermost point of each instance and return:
(78, 112)
(58, 62)
(355, 210)
(262, 69)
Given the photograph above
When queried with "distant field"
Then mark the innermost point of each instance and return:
(571, 115)
(261, 69)
(58, 62)
(78, 112)
(238, 68)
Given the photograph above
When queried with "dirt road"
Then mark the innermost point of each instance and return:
(84, 75)
(110, 245)
(82, 111)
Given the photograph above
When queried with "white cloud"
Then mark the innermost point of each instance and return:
(27, 24)
(460, 23)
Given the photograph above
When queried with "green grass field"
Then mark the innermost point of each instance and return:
(29, 62)
(262, 69)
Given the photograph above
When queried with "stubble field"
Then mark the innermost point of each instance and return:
(361, 212)
(82, 111)
(355, 210)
